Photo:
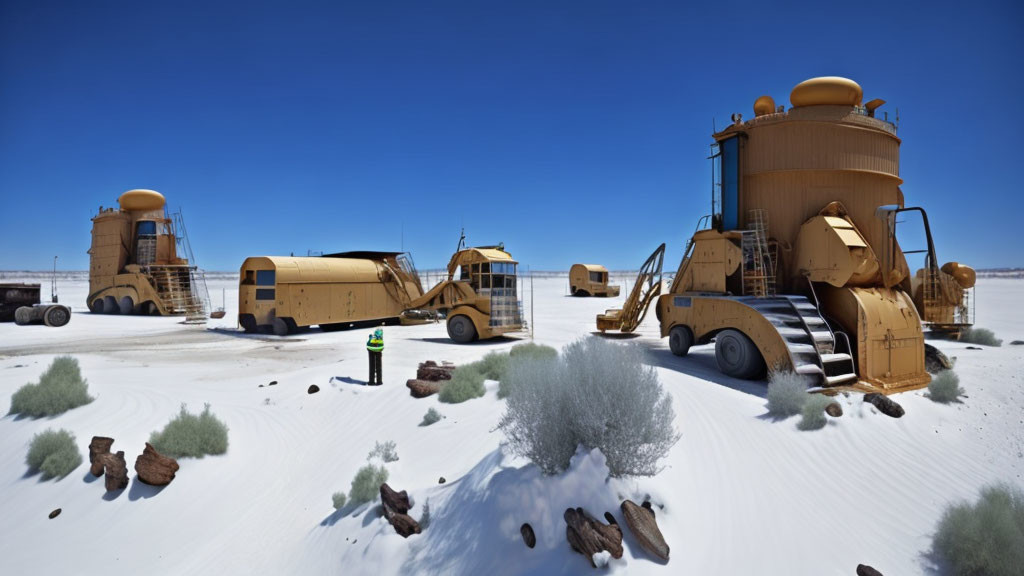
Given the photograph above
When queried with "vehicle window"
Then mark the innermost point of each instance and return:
(264, 293)
(266, 278)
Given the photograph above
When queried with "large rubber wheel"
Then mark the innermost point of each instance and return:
(461, 329)
(680, 338)
(126, 305)
(57, 316)
(580, 292)
(282, 326)
(96, 306)
(23, 315)
(110, 305)
(737, 356)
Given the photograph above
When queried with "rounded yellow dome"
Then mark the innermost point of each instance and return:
(826, 91)
(764, 105)
(141, 200)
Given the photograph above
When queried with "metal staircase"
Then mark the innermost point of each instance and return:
(811, 342)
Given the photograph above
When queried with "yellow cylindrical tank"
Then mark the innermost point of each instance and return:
(826, 91)
(141, 200)
(965, 276)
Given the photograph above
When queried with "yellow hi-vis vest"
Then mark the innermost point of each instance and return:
(375, 344)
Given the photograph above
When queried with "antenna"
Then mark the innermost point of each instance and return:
(53, 282)
(462, 240)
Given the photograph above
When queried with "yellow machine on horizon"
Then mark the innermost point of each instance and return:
(135, 266)
(590, 280)
(799, 267)
(482, 302)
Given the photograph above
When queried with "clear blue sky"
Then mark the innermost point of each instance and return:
(572, 131)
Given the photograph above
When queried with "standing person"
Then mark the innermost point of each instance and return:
(375, 347)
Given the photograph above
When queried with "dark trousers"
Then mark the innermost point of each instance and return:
(375, 372)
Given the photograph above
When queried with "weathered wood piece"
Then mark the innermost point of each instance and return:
(154, 468)
(432, 371)
(99, 446)
(885, 405)
(396, 508)
(422, 388)
(116, 470)
(588, 536)
(644, 527)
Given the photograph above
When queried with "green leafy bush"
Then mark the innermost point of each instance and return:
(537, 355)
(191, 436)
(384, 450)
(366, 484)
(466, 383)
(813, 412)
(54, 453)
(533, 350)
(986, 538)
(945, 387)
(982, 336)
(60, 388)
(339, 500)
(431, 417)
(787, 393)
(492, 366)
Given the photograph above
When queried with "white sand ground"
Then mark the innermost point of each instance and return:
(740, 493)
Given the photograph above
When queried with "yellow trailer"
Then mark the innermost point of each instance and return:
(284, 293)
(590, 280)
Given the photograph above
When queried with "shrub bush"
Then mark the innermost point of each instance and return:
(986, 538)
(339, 500)
(492, 365)
(54, 453)
(532, 350)
(60, 388)
(385, 451)
(813, 412)
(534, 355)
(466, 383)
(366, 484)
(787, 393)
(945, 387)
(982, 336)
(191, 436)
(431, 417)
(597, 394)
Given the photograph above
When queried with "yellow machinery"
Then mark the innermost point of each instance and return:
(282, 294)
(135, 266)
(798, 267)
(590, 280)
(482, 302)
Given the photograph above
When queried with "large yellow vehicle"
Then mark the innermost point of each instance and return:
(590, 280)
(134, 263)
(282, 294)
(482, 302)
(799, 267)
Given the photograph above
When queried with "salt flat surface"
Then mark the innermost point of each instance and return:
(740, 493)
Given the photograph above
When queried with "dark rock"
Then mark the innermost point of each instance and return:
(974, 348)
(644, 527)
(116, 470)
(834, 410)
(154, 468)
(396, 507)
(99, 446)
(313, 389)
(529, 538)
(422, 388)
(441, 480)
(56, 513)
(272, 383)
(865, 570)
(934, 360)
(885, 405)
(1017, 343)
(588, 536)
(647, 505)
(433, 372)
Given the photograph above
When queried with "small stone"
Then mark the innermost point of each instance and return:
(441, 480)
(885, 405)
(272, 383)
(529, 538)
(56, 513)
(865, 570)
(313, 389)
(973, 348)
(834, 409)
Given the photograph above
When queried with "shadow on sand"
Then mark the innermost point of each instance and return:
(700, 363)
(492, 342)
(141, 490)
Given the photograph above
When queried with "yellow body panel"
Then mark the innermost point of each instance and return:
(590, 280)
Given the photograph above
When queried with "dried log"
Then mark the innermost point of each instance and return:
(99, 446)
(865, 570)
(396, 507)
(433, 372)
(588, 536)
(529, 538)
(641, 522)
(116, 470)
(885, 405)
(422, 388)
(154, 468)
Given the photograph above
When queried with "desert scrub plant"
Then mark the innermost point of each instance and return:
(366, 484)
(533, 355)
(338, 498)
(191, 436)
(492, 365)
(432, 416)
(812, 415)
(54, 453)
(945, 387)
(787, 393)
(982, 336)
(596, 394)
(385, 451)
(533, 350)
(986, 538)
(466, 383)
(60, 388)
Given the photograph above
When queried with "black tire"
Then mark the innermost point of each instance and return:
(248, 323)
(580, 293)
(57, 316)
(680, 338)
(737, 356)
(23, 315)
(461, 329)
(126, 305)
(284, 326)
(110, 305)
(96, 306)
